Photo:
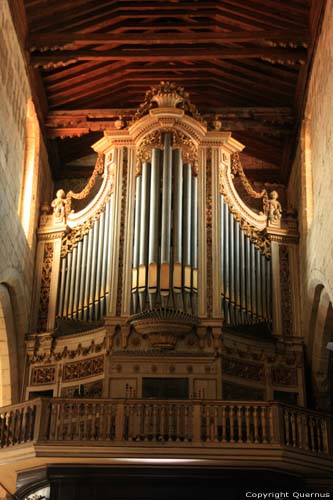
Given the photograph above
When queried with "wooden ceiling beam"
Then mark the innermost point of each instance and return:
(49, 40)
(69, 57)
(269, 17)
(201, 73)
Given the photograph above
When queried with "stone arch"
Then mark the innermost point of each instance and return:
(28, 196)
(12, 281)
(320, 333)
(9, 384)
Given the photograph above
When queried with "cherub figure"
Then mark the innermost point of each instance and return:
(274, 208)
(58, 205)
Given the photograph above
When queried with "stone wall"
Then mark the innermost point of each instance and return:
(311, 193)
(17, 246)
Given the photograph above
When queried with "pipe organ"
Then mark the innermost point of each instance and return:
(166, 272)
(165, 253)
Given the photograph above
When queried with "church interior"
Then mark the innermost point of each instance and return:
(166, 251)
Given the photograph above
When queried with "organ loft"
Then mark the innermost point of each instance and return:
(166, 318)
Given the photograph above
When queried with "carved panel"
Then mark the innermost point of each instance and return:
(286, 287)
(209, 210)
(43, 375)
(122, 234)
(45, 287)
(82, 369)
(242, 369)
(282, 375)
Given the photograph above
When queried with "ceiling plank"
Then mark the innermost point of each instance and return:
(44, 40)
(202, 54)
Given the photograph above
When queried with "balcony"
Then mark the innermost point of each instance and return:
(213, 433)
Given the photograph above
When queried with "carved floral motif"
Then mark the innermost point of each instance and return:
(45, 287)
(241, 369)
(83, 369)
(43, 375)
(282, 375)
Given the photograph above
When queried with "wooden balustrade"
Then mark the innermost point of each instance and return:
(205, 423)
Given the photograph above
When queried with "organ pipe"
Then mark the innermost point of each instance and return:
(194, 216)
(84, 270)
(177, 220)
(166, 216)
(245, 280)
(187, 225)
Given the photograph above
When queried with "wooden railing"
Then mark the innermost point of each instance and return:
(204, 423)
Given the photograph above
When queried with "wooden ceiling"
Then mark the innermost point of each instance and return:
(244, 62)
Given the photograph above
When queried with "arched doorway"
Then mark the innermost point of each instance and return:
(8, 351)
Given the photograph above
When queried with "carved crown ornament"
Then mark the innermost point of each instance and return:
(168, 95)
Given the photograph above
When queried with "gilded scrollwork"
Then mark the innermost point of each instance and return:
(237, 169)
(188, 148)
(98, 170)
(145, 148)
(257, 238)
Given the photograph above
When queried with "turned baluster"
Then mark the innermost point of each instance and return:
(169, 430)
(216, 423)
(232, 424)
(163, 422)
(85, 421)
(299, 430)
(101, 434)
(312, 434)
(146, 422)
(286, 427)
(248, 424)
(155, 418)
(2, 430)
(20, 425)
(130, 425)
(224, 425)
(293, 429)
(319, 440)
(264, 424)
(93, 421)
(69, 421)
(8, 428)
(53, 423)
(325, 435)
(208, 423)
(305, 432)
(186, 426)
(255, 424)
(239, 423)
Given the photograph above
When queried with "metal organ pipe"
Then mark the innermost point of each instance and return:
(154, 226)
(246, 281)
(194, 217)
(177, 219)
(83, 279)
(143, 242)
(136, 241)
(77, 279)
(187, 226)
(166, 218)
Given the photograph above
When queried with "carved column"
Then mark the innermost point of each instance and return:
(47, 275)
